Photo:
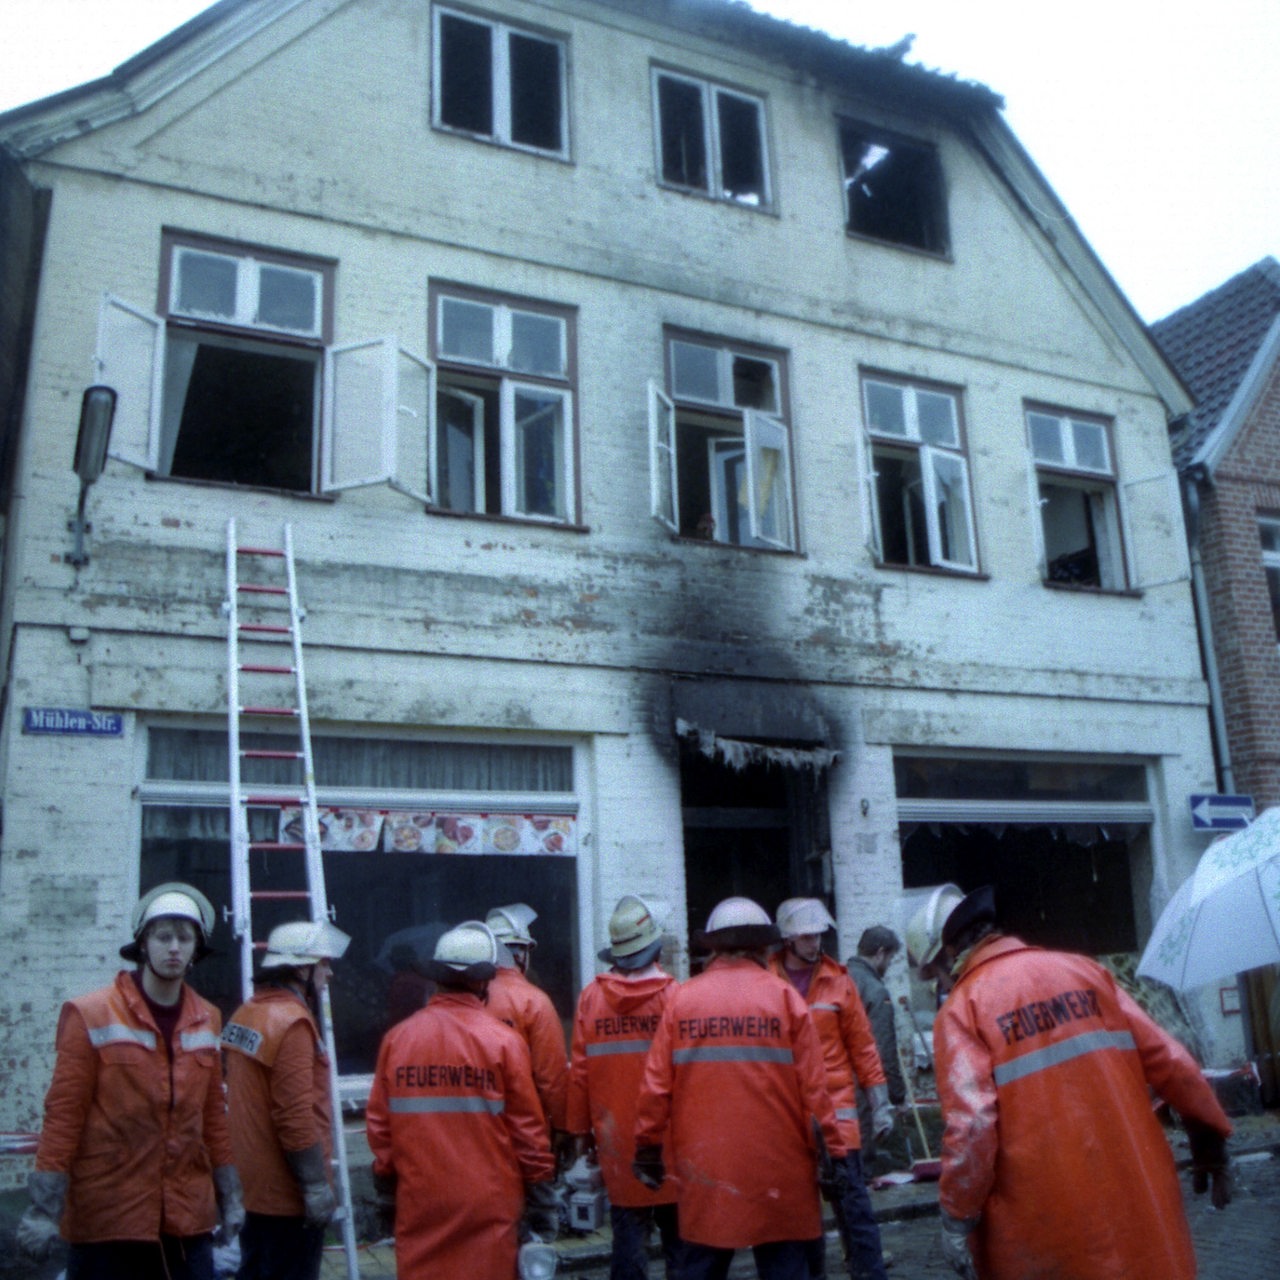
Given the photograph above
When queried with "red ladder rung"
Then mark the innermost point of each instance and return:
(261, 589)
(279, 895)
(276, 846)
(264, 669)
(273, 628)
(261, 753)
(283, 802)
(260, 551)
(268, 711)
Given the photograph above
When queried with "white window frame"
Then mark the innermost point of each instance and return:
(500, 70)
(711, 92)
(1271, 564)
(248, 291)
(509, 382)
(932, 457)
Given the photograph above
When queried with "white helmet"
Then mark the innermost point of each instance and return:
(634, 936)
(510, 924)
(303, 942)
(800, 916)
(177, 901)
(738, 923)
(468, 950)
(924, 933)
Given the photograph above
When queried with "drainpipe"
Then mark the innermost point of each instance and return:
(1191, 505)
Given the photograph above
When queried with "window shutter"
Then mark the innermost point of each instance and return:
(412, 425)
(129, 359)
(664, 498)
(1155, 541)
(768, 448)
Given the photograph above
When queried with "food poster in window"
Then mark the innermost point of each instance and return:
(430, 831)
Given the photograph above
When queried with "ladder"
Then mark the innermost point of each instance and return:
(263, 627)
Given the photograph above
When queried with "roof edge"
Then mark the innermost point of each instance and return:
(1215, 445)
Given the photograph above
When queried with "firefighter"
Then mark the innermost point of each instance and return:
(278, 1087)
(617, 1016)
(731, 1085)
(1053, 1161)
(520, 1004)
(456, 1130)
(134, 1162)
(849, 1051)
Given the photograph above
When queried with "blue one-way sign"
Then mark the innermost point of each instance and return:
(1221, 813)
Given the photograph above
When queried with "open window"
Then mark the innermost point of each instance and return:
(500, 83)
(235, 380)
(893, 188)
(503, 442)
(720, 446)
(1075, 485)
(711, 139)
(1269, 534)
(922, 512)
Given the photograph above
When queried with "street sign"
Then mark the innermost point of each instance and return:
(70, 720)
(1221, 813)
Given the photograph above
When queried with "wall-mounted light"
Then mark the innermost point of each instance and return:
(97, 410)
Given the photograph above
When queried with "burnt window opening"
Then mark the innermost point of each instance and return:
(498, 83)
(1269, 534)
(711, 140)
(893, 189)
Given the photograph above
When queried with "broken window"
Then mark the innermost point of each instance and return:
(720, 446)
(893, 189)
(711, 139)
(922, 514)
(1269, 532)
(500, 83)
(1076, 491)
(503, 441)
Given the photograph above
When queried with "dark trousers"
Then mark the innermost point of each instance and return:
(169, 1258)
(631, 1231)
(861, 1238)
(273, 1247)
(781, 1260)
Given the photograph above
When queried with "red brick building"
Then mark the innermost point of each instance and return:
(1226, 346)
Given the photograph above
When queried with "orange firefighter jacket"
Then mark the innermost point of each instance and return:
(730, 1087)
(137, 1131)
(848, 1043)
(278, 1092)
(454, 1116)
(1043, 1069)
(520, 1004)
(615, 1024)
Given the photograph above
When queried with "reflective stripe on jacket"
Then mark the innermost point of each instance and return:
(616, 1021)
(278, 1094)
(138, 1133)
(1043, 1069)
(849, 1050)
(454, 1115)
(515, 1000)
(729, 1088)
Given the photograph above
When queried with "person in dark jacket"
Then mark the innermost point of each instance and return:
(876, 949)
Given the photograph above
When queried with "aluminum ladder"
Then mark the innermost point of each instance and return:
(264, 624)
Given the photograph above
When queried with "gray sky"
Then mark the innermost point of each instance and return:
(1157, 123)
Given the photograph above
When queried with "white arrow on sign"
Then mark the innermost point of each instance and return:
(1222, 811)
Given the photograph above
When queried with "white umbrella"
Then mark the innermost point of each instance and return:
(1225, 917)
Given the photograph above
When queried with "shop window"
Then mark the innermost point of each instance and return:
(503, 442)
(500, 83)
(393, 815)
(720, 446)
(1269, 533)
(922, 513)
(893, 189)
(236, 380)
(1076, 489)
(711, 139)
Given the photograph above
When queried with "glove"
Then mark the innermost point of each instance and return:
(230, 1196)
(1209, 1166)
(881, 1111)
(542, 1211)
(384, 1190)
(648, 1167)
(311, 1170)
(37, 1230)
(955, 1245)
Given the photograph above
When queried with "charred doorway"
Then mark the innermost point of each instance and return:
(755, 824)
